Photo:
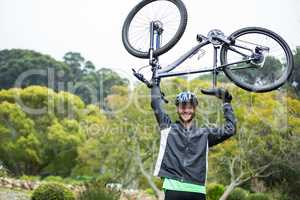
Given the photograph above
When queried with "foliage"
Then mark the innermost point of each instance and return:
(30, 178)
(150, 191)
(40, 130)
(23, 68)
(214, 191)
(47, 132)
(238, 194)
(52, 191)
(3, 171)
(16, 62)
(53, 179)
(266, 140)
(294, 80)
(96, 190)
(258, 196)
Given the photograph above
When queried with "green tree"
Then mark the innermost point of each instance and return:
(16, 62)
(41, 130)
(76, 63)
(19, 148)
(265, 140)
(23, 68)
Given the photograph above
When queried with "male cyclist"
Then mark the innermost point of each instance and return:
(183, 154)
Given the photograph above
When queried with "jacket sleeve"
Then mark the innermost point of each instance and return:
(218, 135)
(162, 118)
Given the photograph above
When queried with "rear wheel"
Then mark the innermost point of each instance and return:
(171, 14)
(273, 63)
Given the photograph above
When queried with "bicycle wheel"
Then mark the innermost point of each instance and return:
(264, 74)
(171, 14)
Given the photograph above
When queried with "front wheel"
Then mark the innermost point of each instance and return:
(271, 64)
(171, 14)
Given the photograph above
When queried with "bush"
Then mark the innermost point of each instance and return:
(258, 196)
(215, 191)
(83, 178)
(150, 191)
(3, 171)
(54, 179)
(52, 191)
(96, 191)
(238, 194)
(30, 178)
(72, 181)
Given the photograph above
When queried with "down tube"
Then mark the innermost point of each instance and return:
(193, 51)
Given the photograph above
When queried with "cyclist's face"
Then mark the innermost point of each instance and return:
(186, 112)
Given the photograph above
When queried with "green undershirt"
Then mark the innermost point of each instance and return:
(171, 184)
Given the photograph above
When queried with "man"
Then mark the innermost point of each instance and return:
(183, 155)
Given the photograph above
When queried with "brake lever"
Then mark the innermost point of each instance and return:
(141, 78)
(149, 85)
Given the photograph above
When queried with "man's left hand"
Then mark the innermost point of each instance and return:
(220, 93)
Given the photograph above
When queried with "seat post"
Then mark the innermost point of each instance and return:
(215, 63)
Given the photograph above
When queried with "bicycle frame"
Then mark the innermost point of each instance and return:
(217, 41)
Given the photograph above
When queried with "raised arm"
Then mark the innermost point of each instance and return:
(162, 118)
(218, 135)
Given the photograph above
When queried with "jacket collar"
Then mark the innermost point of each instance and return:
(181, 126)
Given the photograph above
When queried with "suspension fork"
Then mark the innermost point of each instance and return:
(155, 40)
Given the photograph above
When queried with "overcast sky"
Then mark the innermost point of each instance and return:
(93, 27)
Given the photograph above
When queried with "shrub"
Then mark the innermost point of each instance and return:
(258, 196)
(150, 191)
(238, 194)
(3, 171)
(54, 179)
(96, 191)
(72, 181)
(52, 191)
(83, 178)
(30, 178)
(215, 191)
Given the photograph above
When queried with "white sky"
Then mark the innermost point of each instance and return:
(93, 27)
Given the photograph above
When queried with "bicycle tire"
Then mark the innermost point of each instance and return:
(172, 41)
(259, 79)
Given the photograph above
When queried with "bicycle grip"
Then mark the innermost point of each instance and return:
(212, 91)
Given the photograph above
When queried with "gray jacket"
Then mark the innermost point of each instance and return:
(183, 152)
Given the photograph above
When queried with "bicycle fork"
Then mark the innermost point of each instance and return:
(155, 40)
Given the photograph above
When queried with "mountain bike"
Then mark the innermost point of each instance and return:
(254, 58)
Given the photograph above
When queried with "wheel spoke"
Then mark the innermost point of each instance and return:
(259, 75)
(172, 16)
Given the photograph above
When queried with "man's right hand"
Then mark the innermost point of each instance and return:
(220, 93)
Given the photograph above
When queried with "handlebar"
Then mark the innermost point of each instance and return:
(142, 78)
(149, 85)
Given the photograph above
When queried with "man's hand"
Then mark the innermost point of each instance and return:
(220, 93)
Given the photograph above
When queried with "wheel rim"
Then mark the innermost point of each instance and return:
(166, 12)
(262, 76)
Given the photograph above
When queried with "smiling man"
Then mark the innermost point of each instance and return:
(183, 154)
